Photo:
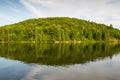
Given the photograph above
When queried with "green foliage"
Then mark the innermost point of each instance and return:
(58, 29)
(59, 54)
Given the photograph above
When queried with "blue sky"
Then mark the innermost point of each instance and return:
(101, 11)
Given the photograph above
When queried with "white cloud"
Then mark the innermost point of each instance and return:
(12, 6)
(31, 7)
(94, 10)
(98, 70)
(6, 18)
(33, 72)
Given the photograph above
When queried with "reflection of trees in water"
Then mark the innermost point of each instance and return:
(58, 54)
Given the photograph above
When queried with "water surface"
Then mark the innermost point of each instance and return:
(85, 61)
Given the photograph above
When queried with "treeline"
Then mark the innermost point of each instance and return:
(58, 29)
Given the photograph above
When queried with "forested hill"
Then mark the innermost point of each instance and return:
(58, 29)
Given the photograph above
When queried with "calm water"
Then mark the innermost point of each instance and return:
(100, 61)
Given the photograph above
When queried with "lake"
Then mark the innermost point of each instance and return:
(85, 61)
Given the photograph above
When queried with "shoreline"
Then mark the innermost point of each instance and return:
(58, 42)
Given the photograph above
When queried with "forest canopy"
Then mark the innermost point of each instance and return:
(58, 29)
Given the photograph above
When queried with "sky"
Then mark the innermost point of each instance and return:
(100, 11)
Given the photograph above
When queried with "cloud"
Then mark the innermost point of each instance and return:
(31, 7)
(107, 69)
(113, 1)
(94, 10)
(6, 18)
(33, 72)
(12, 6)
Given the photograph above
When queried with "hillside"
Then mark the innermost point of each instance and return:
(58, 29)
